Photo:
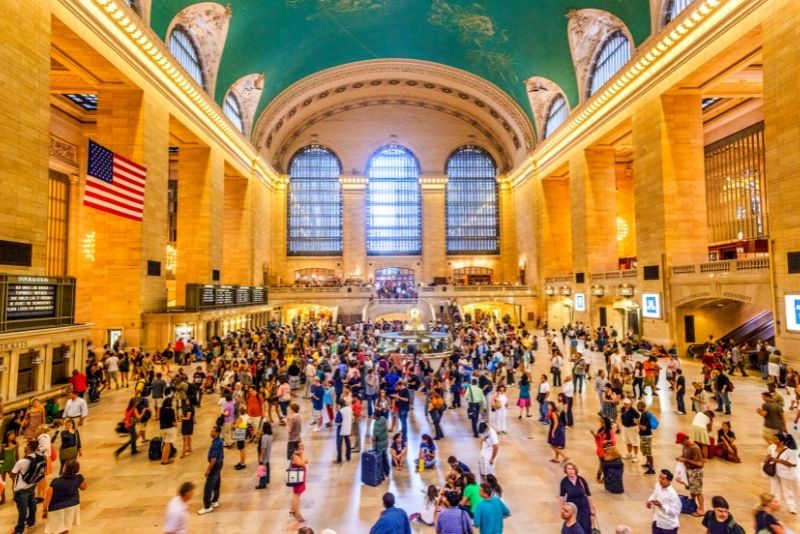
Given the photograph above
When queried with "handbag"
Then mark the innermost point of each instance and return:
(595, 525)
(295, 476)
(69, 453)
(770, 467)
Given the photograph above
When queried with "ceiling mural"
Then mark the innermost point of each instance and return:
(503, 41)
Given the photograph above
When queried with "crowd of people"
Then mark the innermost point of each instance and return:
(329, 378)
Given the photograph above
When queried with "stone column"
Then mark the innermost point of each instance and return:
(237, 259)
(592, 179)
(201, 184)
(114, 287)
(354, 198)
(669, 186)
(782, 139)
(280, 206)
(433, 230)
(556, 243)
(261, 229)
(509, 256)
(25, 128)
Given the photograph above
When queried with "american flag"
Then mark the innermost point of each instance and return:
(114, 184)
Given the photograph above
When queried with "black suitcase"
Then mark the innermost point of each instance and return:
(371, 468)
(154, 449)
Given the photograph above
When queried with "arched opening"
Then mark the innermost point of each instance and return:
(612, 56)
(395, 282)
(185, 51)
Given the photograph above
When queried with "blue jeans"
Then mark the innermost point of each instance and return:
(339, 439)
(403, 415)
(211, 488)
(370, 404)
(543, 412)
(764, 371)
(724, 398)
(26, 508)
(578, 380)
(131, 442)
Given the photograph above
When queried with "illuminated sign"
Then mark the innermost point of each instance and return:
(651, 305)
(580, 302)
(792, 312)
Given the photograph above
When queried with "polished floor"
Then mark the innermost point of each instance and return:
(131, 493)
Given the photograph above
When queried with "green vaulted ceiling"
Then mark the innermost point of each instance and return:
(503, 41)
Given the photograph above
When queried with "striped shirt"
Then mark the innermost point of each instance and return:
(453, 521)
(380, 434)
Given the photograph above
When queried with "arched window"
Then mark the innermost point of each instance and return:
(556, 115)
(314, 222)
(613, 55)
(394, 203)
(232, 110)
(183, 49)
(674, 8)
(472, 225)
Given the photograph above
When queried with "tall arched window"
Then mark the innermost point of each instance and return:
(556, 115)
(183, 49)
(394, 203)
(233, 111)
(314, 221)
(613, 55)
(674, 8)
(472, 225)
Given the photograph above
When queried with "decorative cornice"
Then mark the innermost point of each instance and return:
(151, 51)
(64, 151)
(652, 55)
(410, 75)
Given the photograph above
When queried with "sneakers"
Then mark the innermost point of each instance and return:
(650, 471)
(628, 456)
(635, 459)
(215, 504)
(204, 511)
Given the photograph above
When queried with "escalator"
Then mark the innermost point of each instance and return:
(761, 326)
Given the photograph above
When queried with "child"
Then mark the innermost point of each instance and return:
(429, 504)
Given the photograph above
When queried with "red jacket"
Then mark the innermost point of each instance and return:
(78, 382)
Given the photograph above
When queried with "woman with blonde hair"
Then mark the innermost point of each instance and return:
(765, 516)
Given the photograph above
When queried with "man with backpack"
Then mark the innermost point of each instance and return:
(27, 472)
(647, 423)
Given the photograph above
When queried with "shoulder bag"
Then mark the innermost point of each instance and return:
(770, 467)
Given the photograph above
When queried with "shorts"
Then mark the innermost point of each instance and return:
(316, 414)
(646, 445)
(630, 435)
(768, 434)
(695, 477)
(240, 445)
(168, 435)
(114, 375)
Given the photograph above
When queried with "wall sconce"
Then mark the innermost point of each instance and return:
(37, 358)
(549, 291)
(88, 245)
(565, 291)
(598, 290)
(172, 259)
(625, 290)
(2, 366)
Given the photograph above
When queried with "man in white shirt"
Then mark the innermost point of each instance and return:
(112, 367)
(25, 493)
(666, 505)
(490, 446)
(176, 520)
(568, 389)
(75, 408)
(310, 372)
(344, 427)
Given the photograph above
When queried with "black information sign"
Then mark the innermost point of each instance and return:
(224, 296)
(207, 295)
(30, 301)
(242, 295)
(259, 295)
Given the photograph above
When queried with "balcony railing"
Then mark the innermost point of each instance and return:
(558, 279)
(614, 275)
(747, 265)
(428, 291)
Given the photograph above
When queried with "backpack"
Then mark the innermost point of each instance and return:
(653, 420)
(36, 469)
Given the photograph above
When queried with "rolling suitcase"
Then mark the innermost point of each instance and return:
(154, 449)
(371, 468)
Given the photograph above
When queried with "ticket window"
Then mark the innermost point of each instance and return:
(26, 373)
(58, 370)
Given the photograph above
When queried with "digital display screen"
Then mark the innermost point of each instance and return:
(30, 301)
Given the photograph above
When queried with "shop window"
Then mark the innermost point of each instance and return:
(57, 224)
(472, 215)
(473, 276)
(26, 375)
(613, 55)
(58, 369)
(394, 203)
(314, 221)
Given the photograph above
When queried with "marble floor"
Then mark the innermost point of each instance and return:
(131, 493)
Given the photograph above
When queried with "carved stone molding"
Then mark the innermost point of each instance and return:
(281, 156)
(247, 90)
(541, 93)
(207, 23)
(416, 79)
(587, 31)
(64, 151)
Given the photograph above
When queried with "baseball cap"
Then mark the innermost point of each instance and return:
(680, 437)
